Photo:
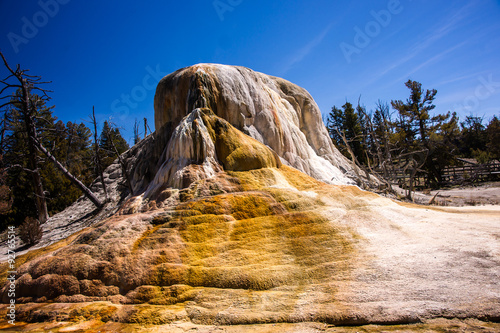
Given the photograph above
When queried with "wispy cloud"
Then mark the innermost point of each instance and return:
(439, 32)
(305, 51)
(455, 96)
(457, 79)
(436, 58)
(434, 35)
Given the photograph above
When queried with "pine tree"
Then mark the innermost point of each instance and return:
(32, 128)
(383, 135)
(493, 138)
(19, 160)
(345, 128)
(69, 144)
(473, 136)
(414, 123)
(113, 143)
(335, 125)
(444, 142)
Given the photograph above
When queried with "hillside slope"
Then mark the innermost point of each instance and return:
(226, 227)
(281, 248)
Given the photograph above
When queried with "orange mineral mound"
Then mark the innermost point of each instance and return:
(240, 213)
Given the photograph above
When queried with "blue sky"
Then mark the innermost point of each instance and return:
(112, 53)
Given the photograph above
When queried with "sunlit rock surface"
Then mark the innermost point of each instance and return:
(272, 110)
(220, 230)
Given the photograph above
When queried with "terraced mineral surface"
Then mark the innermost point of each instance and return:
(224, 233)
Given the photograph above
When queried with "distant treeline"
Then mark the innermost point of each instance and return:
(407, 137)
(72, 144)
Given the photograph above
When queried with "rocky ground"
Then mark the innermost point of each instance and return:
(241, 216)
(334, 256)
(471, 195)
(430, 326)
(478, 195)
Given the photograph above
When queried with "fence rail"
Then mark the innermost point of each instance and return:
(472, 172)
(452, 175)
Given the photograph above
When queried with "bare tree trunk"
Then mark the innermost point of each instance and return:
(40, 200)
(27, 82)
(146, 128)
(88, 193)
(28, 107)
(123, 164)
(124, 171)
(97, 156)
(353, 158)
(387, 149)
(413, 172)
(376, 142)
(137, 139)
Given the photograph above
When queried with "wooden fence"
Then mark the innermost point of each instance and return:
(472, 173)
(452, 175)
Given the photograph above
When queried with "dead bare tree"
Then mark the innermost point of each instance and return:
(88, 193)
(146, 128)
(354, 160)
(26, 84)
(379, 151)
(122, 162)
(415, 160)
(97, 157)
(137, 138)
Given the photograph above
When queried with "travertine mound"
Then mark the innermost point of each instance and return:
(201, 147)
(280, 248)
(220, 230)
(271, 110)
(210, 118)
